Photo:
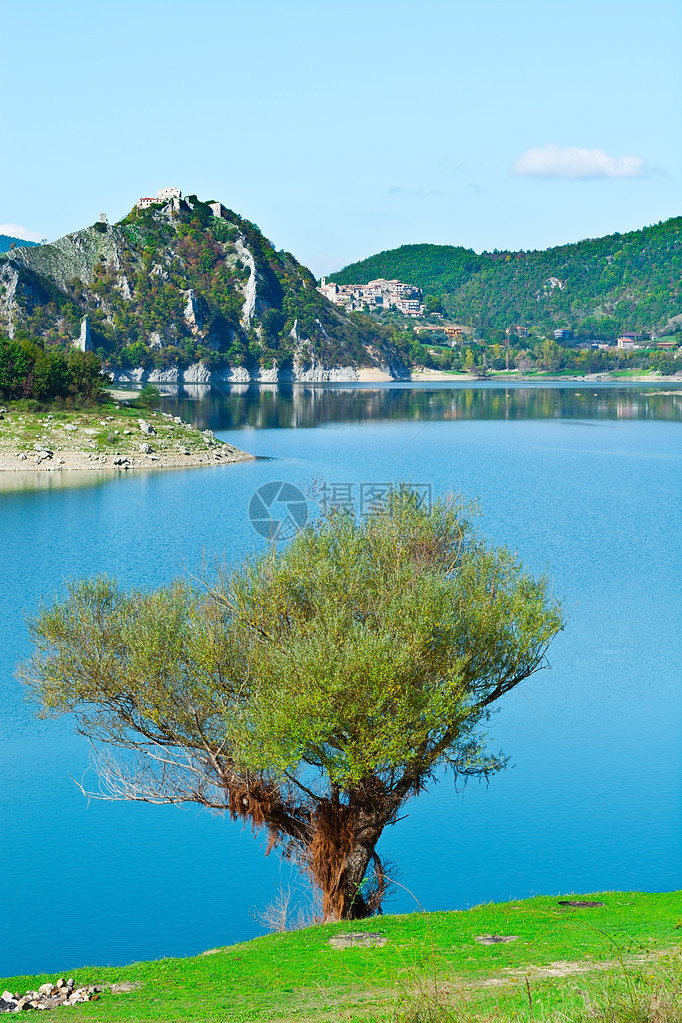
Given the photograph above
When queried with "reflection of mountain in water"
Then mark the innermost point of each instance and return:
(272, 406)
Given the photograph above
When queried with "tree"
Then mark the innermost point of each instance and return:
(311, 691)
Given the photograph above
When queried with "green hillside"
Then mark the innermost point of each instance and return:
(597, 288)
(175, 285)
(7, 241)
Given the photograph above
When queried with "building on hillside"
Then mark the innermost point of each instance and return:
(626, 342)
(103, 218)
(378, 294)
(666, 346)
(218, 210)
(163, 195)
(455, 335)
(562, 334)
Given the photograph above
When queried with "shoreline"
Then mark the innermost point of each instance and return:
(501, 377)
(112, 438)
(377, 376)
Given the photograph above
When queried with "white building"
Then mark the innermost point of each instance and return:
(405, 298)
(163, 195)
(168, 193)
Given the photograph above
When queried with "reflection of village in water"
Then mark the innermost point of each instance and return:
(273, 406)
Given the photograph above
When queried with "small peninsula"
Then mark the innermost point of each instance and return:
(109, 437)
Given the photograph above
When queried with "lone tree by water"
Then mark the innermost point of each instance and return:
(311, 691)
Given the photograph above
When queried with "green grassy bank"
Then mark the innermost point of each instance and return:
(564, 960)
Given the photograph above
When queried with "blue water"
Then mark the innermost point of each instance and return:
(591, 800)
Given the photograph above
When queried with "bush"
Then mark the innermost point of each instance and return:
(149, 397)
(31, 369)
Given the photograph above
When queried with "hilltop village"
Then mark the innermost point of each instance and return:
(378, 294)
(185, 289)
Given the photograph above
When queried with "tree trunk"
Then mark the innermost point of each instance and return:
(339, 856)
(359, 904)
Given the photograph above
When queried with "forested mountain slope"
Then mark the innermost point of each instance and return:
(8, 240)
(175, 285)
(598, 287)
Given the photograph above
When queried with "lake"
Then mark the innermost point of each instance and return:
(584, 480)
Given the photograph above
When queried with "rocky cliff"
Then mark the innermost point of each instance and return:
(175, 292)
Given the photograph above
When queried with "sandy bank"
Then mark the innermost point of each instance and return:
(374, 376)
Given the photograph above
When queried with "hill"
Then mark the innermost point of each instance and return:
(596, 288)
(7, 241)
(567, 961)
(182, 290)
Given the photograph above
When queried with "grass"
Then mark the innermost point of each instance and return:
(430, 969)
(619, 373)
(109, 429)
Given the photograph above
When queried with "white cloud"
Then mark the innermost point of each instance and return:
(570, 162)
(17, 231)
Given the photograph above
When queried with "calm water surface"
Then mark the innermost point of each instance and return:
(584, 480)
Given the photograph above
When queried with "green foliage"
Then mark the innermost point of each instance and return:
(7, 240)
(149, 397)
(143, 292)
(433, 268)
(608, 285)
(31, 369)
(364, 655)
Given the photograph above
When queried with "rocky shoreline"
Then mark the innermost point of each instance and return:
(198, 373)
(99, 440)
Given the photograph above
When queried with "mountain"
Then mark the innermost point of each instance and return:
(187, 290)
(597, 288)
(7, 241)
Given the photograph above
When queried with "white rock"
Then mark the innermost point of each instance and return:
(145, 449)
(146, 427)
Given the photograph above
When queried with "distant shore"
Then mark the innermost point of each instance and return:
(111, 437)
(513, 377)
(374, 375)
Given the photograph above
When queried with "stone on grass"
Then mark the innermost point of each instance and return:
(357, 939)
(579, 903)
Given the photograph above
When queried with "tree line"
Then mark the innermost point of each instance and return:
(30, 368)
(598, 288)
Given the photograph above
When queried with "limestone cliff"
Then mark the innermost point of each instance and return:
(177, 292)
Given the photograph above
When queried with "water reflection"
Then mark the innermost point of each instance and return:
(272, 406)
(43, 479)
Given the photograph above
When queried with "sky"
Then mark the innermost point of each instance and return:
(344, 129)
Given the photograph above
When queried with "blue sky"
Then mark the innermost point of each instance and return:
(343, 129)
